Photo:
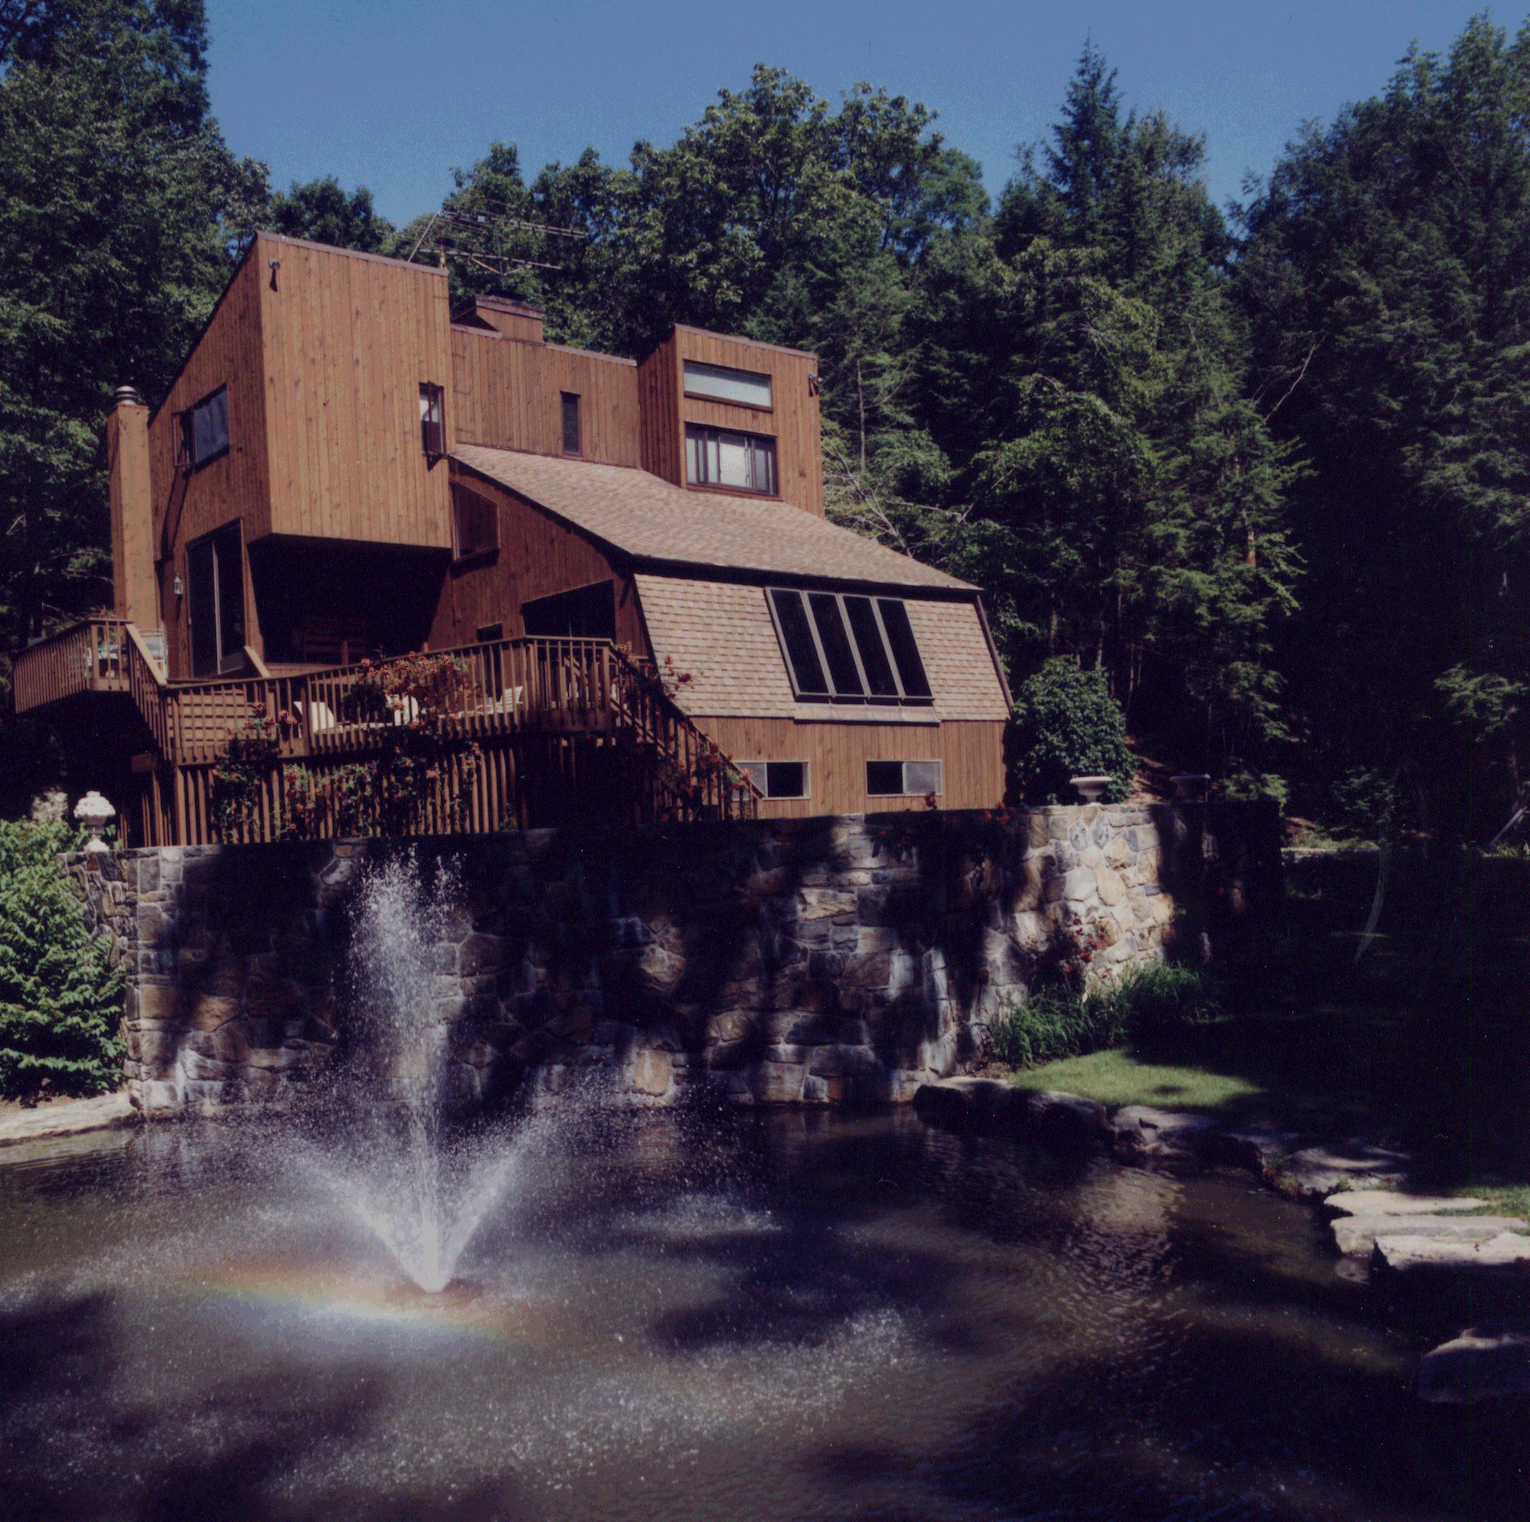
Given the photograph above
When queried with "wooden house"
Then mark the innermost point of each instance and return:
(631, 557)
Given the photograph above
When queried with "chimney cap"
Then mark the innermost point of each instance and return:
(127, 396)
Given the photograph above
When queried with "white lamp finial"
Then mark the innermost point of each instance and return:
(95, 813)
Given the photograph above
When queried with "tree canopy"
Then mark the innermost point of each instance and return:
(1263, 476)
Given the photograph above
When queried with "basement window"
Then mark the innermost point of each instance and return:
(720, 457)
(903, 779)
(841, 647)
(204, 430)
(778, 779)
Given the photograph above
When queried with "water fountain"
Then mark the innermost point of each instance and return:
(635, 1315)
(376, 1138)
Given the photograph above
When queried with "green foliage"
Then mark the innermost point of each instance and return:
(1066, 1019)
(1387, 276)
(322, 212)
(60, 1002)
(118, 202)
(1066, 724)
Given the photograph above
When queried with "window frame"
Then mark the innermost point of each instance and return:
(906, 791)
(687, 365)
(433, 420)
(759, 445)
(189, 458)
(574, 411)
(462, 497)
(895, 664)
(758, 772)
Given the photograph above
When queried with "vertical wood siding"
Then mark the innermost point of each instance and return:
(661, 436)
(349, 341)
(971, 752)
(537, 557)
(792, 419)
(507, 394)
(236, 485)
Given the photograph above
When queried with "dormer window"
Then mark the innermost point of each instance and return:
(720, 457)
(204, 430)
(840, 647)
(432, 421)
(719, 384)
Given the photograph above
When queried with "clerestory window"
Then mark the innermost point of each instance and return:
(720, 457)
(720, 384)
(842, 647)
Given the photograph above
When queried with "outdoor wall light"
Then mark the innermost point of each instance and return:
(177, 588)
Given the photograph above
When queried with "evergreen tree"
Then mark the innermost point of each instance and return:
(118, 207)
(1388, 276)
(1129, 494)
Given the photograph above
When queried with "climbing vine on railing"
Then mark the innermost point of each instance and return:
(400, 714)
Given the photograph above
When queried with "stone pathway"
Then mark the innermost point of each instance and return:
(1432, 1250)
(66, 1117)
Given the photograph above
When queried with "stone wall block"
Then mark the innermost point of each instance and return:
(1111, 889)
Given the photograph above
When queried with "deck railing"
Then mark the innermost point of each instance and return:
(586, 691)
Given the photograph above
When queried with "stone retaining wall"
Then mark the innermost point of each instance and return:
(782, 961)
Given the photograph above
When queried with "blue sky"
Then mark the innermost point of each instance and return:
(393, 95)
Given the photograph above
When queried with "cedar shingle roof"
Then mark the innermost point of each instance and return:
(651, 520)
(721, 633)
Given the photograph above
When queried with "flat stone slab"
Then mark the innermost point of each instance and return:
(1391, 1202)
(1505, 1256)
(66, 1118)
(1142, 1131)
(1355, 1235)
(1322, 1170)
(1483, 1363)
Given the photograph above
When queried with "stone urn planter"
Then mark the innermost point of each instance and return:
(1091, 789)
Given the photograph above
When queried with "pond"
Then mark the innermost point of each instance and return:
(671, 1316)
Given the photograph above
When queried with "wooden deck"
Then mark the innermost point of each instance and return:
(561, 726)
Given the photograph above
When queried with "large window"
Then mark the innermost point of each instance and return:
(903, 779)
(719, 457)
(204, 430)
(475, 524)
(721, 384)
(777, 779)
(844, 647)
(215, 573)
(584, 613)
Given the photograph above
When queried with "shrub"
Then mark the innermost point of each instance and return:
(1052, 1023)
(1066, 724)
(1059, 1020)
(59, 1000)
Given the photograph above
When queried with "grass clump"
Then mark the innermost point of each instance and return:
(1062, 1020)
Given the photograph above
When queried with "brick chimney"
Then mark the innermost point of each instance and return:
(127, 453)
